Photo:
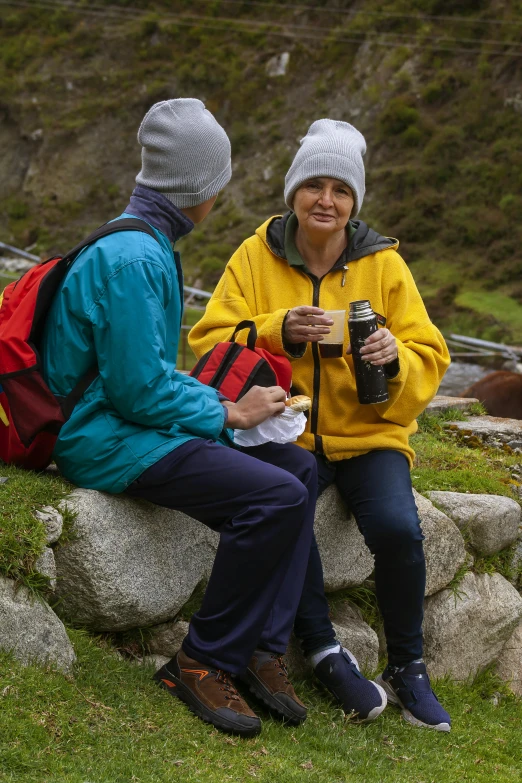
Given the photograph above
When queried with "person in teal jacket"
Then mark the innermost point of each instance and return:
(144, 428)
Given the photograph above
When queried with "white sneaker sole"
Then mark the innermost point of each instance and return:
(406, 714)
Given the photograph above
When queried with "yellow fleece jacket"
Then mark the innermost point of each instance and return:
(260, 285)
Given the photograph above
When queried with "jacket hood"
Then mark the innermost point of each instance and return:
(364, 242)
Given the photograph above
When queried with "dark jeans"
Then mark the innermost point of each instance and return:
(263, 505)
(376, 487)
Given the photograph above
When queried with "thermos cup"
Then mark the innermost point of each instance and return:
(331, 346)
(372, 385)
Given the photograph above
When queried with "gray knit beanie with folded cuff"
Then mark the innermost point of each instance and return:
(185, 152)
(331, 148)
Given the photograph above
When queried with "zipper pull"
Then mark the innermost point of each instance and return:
(343, 280)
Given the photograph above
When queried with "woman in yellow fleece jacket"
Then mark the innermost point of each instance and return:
(317, 258)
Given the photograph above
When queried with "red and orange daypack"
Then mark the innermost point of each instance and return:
(30, 414)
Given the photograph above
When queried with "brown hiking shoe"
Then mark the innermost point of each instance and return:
(209, 694)
(267, 678)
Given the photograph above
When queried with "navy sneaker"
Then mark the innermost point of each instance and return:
(410, 689)
(360, 698)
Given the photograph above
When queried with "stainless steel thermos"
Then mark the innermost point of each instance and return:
(372, 385)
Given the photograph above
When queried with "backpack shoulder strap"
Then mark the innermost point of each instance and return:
(125, 224)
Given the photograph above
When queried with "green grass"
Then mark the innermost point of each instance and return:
(444, 463)
(504, 308)
(111, 724)
(22, 537)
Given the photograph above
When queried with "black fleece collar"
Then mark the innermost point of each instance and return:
(364, 240)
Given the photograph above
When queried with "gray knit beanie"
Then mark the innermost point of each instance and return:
(331, 148)
(185, 152)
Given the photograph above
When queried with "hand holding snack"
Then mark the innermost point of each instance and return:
(258, 404)
(299, 403)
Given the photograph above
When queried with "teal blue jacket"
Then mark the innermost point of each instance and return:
(120, 307)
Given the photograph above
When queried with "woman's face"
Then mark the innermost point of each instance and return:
(323, 205)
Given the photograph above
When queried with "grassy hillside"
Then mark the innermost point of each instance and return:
(435, 87)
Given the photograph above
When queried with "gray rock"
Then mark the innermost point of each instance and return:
(346, 559)
(166, 639)
(442, 403)
(509, 664)
(444, 548)
(46, 566)
(15, 265)
(465, 631)
(156, 661)
(354, 634)
(53, 522)
(30, 629)
(491, 521)
(278, 64)
(130, 563)
(516, 564)
(492, 430)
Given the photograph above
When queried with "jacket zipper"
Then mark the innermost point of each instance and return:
(317, 365)
(314, 418)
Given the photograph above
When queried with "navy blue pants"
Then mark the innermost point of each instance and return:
(376, 487)
(262, 504)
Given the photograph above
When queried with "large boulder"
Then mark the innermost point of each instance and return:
(466, 629)
(509, 664)
(129, 563)
(346, 559)
(490, 521)
(30, 630)
(444, 548)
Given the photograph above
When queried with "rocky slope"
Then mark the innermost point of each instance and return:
(435, 87)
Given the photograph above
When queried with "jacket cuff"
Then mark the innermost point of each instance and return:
(392, 369)
(293, 350)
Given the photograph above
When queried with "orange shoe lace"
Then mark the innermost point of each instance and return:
(230, 692)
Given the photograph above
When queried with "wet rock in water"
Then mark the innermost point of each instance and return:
(459, 376)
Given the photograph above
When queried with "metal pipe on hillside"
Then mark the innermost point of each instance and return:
(513, 351)
(18, 252)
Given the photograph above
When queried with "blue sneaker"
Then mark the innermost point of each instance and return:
(410, 689)
(360, 698)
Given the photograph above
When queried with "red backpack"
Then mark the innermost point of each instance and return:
(233, 369)
(30, 414)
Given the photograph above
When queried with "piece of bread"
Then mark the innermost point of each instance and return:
(299, 403)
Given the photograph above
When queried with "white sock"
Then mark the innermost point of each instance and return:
(317, 657)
